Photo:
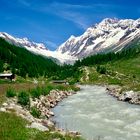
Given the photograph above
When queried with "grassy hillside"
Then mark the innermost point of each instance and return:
(124, 71)
(112, 68)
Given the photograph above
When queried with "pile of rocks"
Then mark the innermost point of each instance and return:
(43, 104)
(129, 96)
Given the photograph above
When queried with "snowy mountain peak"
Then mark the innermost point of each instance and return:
(25, 39)
(71, 37)
(108, 35)
(24, 42)
(109, 21)
(37, 48)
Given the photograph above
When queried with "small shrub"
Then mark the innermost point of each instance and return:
(73, 81)
(10, 92)
(61, 87)
(48, 89)
(114, 81)
(35, 93)
(134, 76)
(45, 90)
(35, 112)
(101, 69)
(75, 88)
(42, 90)
(24, 98)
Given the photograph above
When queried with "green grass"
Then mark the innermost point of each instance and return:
(16, 86)
(24, 98)
(13, 127)
(45, 89)
(56, 135)
(5, 81)
(35, 112)
(10, 92)
(125, 72)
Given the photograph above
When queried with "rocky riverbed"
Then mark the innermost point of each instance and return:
(44, 104)
(127, 96)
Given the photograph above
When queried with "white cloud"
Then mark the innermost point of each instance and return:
(81, 15)
(69, 12)
(80, 20)
(69, 6)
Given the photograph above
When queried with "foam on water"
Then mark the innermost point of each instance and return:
(94, 113)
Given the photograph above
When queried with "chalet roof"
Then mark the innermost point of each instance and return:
(5, 74)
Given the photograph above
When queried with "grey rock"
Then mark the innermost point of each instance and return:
(38, 126)
(4, 104)
(47, 123)
(127, 96)
(2, 109)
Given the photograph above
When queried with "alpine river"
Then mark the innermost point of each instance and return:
(97, 115)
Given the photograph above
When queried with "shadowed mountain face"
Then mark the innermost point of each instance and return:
(109, 35)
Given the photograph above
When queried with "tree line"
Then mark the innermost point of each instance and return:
(26, 64)
(109, 57)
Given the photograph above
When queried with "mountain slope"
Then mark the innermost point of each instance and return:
(37, 48)
(109, 35)
(22, 42)
(22, 62)
(121, 68)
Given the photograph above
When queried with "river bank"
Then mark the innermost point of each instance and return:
(44, 105)
(95, 114)
(48, 106)
(126, 96)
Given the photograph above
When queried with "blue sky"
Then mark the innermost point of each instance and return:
(53, 21)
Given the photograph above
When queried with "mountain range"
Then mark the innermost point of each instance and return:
(109, 35)
(37, 48)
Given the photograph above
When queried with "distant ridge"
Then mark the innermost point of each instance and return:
(108, 35)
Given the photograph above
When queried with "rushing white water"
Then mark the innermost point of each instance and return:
(96, 114)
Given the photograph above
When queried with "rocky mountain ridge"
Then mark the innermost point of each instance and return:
(108, 35)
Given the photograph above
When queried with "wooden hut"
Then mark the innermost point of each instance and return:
(10, 76)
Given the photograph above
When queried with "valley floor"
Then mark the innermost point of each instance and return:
(124, 73)
(14, 127)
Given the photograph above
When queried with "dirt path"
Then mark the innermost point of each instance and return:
(86, 74)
